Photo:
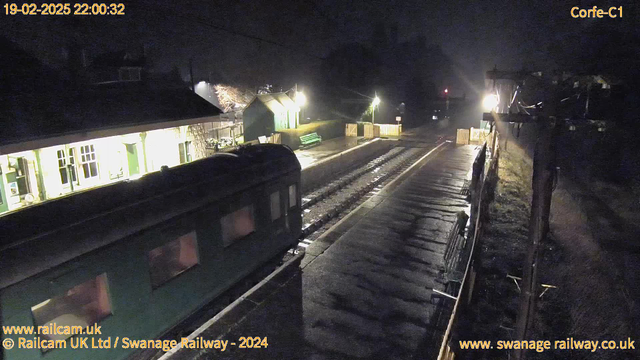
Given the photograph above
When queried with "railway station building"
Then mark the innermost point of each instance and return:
(269, 113)
(80, 140)
(91, 124)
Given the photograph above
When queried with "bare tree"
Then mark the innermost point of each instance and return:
(199, 135)
(232, 98)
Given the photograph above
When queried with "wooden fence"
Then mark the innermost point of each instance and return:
(378, 130)
(371, 131)
(351, 130)
(474, 136)
(462, 137)
(390, 129)
(478, 136)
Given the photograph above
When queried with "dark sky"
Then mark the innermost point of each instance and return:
(475, 35)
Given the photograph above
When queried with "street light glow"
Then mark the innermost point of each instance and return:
(376, 101)
(301, 99)
(446, 91)
(490, 102)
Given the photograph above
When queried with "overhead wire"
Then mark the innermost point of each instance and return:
(194, 18)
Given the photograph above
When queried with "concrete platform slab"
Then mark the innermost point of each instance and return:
(326, 148)
(366, 292)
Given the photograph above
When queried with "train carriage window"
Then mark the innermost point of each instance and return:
(293, 195)
(173, 258)
(79, 307)
(275, 206)
(237, 225)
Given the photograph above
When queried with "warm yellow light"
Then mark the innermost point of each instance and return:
(490, 102)
(301, 99)
(376, 101)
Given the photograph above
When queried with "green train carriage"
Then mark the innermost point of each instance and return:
(138, 257)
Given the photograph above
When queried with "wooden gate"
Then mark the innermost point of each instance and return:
(371, 131)
(462, 137)
(275, 138)
(351, 130)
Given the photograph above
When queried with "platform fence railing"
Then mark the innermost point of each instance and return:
(461, 256)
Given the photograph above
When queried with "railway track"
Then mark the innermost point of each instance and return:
(324, 206)
(313, 197)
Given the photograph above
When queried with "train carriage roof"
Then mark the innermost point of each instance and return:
(109, 213)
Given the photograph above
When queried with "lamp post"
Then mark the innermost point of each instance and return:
(376, 102)
(301, 101)
(446, 98)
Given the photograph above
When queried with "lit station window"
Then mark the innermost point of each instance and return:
(88, 161)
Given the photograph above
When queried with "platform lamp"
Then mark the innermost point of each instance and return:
(376, 102)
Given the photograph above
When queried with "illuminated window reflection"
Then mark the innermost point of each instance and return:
(292, 195)
(275, 206)
(170, 260)
(237, 225)
(80, 306)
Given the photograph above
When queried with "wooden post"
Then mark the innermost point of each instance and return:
(506, 136)
(544, 167)
(494, 141)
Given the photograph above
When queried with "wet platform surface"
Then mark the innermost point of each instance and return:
(327, 148)
(363, 289)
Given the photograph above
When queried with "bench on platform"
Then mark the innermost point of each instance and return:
(310, 139)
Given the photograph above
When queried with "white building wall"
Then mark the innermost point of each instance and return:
(51, 173)
(161, 147)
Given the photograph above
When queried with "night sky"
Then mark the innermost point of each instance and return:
(475, 35)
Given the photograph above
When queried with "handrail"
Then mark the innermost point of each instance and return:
(478, 180)
(452, 319)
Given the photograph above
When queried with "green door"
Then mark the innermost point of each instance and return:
(132, 159)
(4, 206)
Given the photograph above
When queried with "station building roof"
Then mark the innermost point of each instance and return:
(40, 108)
(276, 102)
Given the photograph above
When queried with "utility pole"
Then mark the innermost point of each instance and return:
(544, 170)
(373, 115)
(544, 167)
(544, 174)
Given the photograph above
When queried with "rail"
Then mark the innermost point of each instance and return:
(461, 250)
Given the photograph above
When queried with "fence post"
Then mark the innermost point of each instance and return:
(476, 183)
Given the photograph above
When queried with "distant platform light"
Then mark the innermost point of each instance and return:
(301, 99)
